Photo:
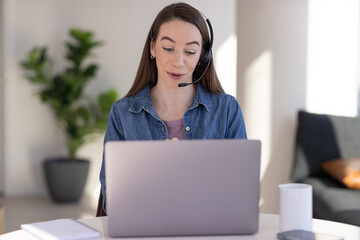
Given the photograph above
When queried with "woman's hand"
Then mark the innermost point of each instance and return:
(173, 139)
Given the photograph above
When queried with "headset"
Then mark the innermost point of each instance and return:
(206, 55)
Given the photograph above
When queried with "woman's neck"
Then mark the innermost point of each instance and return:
(171, 104)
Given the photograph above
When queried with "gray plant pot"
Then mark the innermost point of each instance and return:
(66, 179)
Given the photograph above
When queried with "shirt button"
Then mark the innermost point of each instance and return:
(187, 128)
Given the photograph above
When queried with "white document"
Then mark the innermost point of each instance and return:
(60, 229)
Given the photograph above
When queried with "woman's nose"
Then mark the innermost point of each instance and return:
(178, 59)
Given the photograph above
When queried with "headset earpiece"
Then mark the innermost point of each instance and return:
(205, 57)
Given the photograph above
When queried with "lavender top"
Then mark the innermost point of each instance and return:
(175, 129)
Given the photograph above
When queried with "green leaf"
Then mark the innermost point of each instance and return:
(107, 99)
(37, 66)
(36, 79)
(90, 71)
(84, 113)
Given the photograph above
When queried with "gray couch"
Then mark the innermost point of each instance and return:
(320, 138)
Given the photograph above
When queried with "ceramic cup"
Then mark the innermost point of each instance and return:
(295, 206)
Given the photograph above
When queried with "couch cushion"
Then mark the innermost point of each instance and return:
(332, 201)
(346, 171)
(321, 138)
(315, 143)
(347, 132)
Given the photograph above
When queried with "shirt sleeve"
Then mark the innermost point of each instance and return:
(236, 124)
(113, 132)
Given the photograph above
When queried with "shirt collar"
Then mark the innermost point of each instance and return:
(202, 97)
(142, 100)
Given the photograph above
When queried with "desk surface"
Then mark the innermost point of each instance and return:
(268, 227)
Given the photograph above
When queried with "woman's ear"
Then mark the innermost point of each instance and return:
(152, 48)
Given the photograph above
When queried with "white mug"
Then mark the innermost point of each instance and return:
(295, 206)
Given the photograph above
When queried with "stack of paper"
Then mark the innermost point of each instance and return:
(61, 229)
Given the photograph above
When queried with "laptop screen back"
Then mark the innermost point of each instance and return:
(182, 188)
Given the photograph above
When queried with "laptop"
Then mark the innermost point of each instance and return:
(182, 188)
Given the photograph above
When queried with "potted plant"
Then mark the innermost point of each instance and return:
(78, 115)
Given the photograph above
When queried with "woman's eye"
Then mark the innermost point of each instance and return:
(168, 49)
(190, 52)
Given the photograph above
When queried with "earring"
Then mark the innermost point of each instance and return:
(152, 57)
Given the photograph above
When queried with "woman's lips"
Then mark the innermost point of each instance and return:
(175, 76)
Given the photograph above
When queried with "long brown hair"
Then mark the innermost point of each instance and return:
(147, 71)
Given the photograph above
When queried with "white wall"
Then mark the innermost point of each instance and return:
(272, 82)
(30, 130)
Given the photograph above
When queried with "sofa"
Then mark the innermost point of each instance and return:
(321, 138)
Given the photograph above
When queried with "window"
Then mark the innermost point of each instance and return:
(333, 57)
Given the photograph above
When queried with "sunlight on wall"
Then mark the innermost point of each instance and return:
(258, 98)
(333, 41)
(225, 61)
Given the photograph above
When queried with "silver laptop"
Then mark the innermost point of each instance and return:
(182, 188)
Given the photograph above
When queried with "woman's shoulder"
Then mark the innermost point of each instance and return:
(125, 101)
(224, 96)
(134, 101)
(217, 98)
(224, 100)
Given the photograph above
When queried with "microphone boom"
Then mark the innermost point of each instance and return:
(197, 80)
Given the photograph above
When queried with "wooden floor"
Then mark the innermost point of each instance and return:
(21, 210)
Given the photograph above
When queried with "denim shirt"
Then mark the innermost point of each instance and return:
(210, 116)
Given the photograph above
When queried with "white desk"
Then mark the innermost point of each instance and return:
(268, 227)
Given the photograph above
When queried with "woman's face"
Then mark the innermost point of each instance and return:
(177, 50)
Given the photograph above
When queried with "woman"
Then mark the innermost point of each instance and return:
(163, 103)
